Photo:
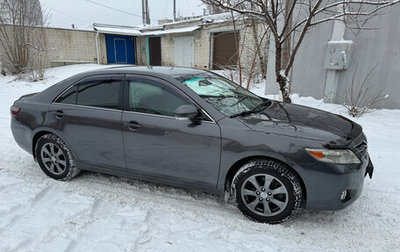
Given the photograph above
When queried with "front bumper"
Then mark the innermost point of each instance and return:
(325, 191)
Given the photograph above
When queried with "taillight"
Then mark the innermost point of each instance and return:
(15, 110)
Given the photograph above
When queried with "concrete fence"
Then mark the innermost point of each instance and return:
(378, 47)
(71, 46)
(74, 46)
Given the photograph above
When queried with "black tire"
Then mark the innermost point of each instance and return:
(64, 165)
(283, 188)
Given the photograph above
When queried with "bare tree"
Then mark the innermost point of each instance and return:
(360, 98)
(250, 45)
(257, 45)
(235, 34)
(37, 54)
(20, 21)
(284, 17)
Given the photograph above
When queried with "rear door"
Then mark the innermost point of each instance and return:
(88, 117)
(163, 147)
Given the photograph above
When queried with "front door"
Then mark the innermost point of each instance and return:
(161, 146)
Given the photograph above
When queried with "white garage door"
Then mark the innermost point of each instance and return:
(184, 51)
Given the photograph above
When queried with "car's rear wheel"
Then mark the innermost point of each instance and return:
(267, 191)
(55, 158)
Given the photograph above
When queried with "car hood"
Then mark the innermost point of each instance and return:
(303, 122)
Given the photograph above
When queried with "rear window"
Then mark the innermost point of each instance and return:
(68, 97)
(104, 94)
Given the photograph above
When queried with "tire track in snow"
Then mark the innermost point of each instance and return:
(39, 196)
(144, 233)
(90, 213)
(28, 208)
(18, 218)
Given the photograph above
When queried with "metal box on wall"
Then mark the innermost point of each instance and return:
(338, 54)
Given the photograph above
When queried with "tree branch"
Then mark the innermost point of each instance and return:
(303, 33)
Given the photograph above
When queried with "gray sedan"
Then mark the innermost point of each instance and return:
(195, 129)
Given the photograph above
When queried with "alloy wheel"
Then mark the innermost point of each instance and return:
(264, 194)
(53, 158)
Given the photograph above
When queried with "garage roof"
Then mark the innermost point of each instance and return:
(136, 31)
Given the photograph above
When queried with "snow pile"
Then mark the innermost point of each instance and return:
(96, 212)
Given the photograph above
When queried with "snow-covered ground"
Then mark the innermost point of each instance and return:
(95, 212)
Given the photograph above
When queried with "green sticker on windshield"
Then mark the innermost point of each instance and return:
(194, 80)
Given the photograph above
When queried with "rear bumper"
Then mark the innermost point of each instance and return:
(327, 189)
(22, 135)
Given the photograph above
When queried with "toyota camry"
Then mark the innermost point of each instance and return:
(195, 129)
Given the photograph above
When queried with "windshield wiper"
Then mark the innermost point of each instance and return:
(257, 108)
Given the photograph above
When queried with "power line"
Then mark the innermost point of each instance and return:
(67, 15)
(115, 9)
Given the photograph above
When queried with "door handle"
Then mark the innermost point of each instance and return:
(58, 114)
(132, 125)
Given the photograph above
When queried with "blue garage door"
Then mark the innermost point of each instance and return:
(120, 49)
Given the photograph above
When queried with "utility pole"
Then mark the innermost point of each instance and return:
(332, 76)
(174, 10)
(145, 12)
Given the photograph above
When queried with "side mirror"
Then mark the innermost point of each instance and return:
(188, 112)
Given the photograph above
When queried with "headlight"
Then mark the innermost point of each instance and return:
(338, 156)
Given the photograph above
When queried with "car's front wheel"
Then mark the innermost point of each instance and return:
(267, 191)
(55, 158)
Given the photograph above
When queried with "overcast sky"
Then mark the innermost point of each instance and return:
(83, 13)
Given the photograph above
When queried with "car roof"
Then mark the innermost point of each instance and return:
(165, 70)
(171, 74)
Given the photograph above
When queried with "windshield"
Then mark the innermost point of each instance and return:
(225, 96)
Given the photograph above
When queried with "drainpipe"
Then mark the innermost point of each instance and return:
(97, 48)
(147, 51)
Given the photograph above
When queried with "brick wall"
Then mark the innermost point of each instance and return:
(167, 50)
(140, 44)
(69, 46)
(202, 49)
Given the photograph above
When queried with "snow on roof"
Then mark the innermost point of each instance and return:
(169, 31)
(163, 29)
(118, 31)
(213, 18)
(221, 17)
(144, 32)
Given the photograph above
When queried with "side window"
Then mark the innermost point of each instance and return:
(103, 93)
(68, 97)
(149, 98)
